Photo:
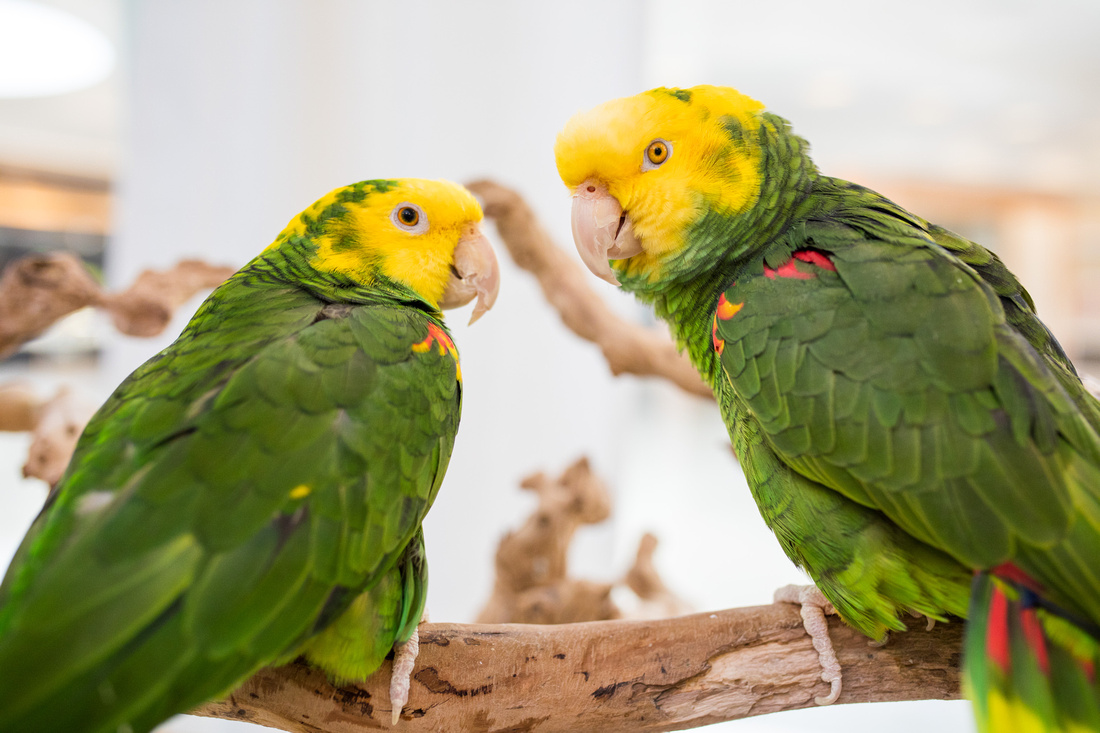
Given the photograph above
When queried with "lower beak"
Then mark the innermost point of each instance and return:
(601, 230)
(475, 273)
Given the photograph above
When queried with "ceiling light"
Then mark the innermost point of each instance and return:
(46, 51)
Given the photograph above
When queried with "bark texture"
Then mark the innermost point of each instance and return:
(608, 676)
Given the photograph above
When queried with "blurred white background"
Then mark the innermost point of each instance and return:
(221, 119)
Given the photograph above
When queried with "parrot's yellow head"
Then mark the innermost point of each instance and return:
(419, 234)
(642, 168)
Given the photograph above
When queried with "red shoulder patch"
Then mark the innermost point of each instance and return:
(439, 337)
(789, 269)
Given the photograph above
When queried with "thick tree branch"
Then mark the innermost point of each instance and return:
(628, 347)
(608, 676)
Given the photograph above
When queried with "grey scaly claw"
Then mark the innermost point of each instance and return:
(404, 660)
(813, 606)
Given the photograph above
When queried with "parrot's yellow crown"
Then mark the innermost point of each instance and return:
(404, 229)
(608, 145)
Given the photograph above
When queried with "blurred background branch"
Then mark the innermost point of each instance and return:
(627, 347)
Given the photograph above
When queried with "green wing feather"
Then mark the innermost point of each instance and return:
(234, 498)
(908, 391)
(904, 418)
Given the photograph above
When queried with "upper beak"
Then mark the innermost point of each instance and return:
(475, 272)
(601, 230)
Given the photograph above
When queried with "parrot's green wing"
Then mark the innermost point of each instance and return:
(882, 367)
(1019, 312)
(234, 498)
(893, 379)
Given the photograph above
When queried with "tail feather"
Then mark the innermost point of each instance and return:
(1027, 668)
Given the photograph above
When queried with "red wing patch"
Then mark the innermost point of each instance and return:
(725, 311)
(440, 338)
(789, 269)
(815, 258)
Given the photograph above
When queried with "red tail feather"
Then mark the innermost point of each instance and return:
(1033, 633)
(996, 642)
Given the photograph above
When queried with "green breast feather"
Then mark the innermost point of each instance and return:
(252, 493)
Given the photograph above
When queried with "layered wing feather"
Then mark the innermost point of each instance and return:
(232, 498)
(881, 366)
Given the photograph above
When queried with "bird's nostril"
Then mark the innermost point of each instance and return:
(591, 189)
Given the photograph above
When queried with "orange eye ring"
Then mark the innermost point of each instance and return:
(657, 152)
(408, 216)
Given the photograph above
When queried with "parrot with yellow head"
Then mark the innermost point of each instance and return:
(255, 491)
(913, 434)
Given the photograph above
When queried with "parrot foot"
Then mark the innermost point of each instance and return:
(814, 606)
(404, 660)
(929, 622)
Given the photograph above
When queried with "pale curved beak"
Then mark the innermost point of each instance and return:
(601, 230)
(475, 273)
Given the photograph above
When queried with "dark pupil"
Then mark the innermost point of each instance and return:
(658, 151)
(408, 215)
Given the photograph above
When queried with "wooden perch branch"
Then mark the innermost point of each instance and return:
(628, 347)
(608, 676)
(37, 291)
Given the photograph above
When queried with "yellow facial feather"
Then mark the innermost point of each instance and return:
(607, 144)
(368, 240)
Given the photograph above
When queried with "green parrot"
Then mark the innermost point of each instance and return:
(912, 433)
(255, 491)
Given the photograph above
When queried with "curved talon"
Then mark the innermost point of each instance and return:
(404, 659)
(929, 622)
(834, 692)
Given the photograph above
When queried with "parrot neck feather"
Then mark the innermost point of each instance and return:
(292, 266)
(721, 247)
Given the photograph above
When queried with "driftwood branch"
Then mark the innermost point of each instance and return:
(532, 584)
(627, 347)
(54, 425)
(37, 291)
(608, 676)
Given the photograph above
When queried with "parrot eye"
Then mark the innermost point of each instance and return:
(410, 217)
(656, 154)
